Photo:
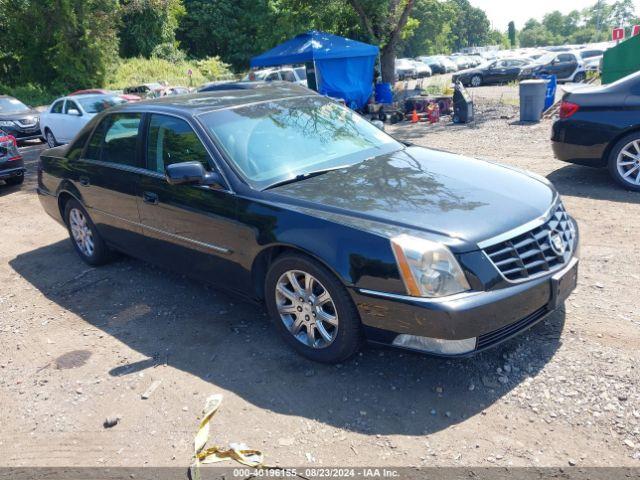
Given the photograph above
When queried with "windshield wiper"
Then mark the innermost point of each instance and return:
(304, 176)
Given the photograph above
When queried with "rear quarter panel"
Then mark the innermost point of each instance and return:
(54, 178)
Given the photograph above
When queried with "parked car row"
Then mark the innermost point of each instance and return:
(568, 63)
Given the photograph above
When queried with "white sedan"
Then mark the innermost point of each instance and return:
(67, 115)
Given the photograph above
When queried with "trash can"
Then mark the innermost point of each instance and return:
(552, 86)
(462, 105)
(532, 97)
(384, 93)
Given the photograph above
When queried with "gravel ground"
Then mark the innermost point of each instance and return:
(83, 344)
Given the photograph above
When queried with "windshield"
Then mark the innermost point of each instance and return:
(98, 104)
(11, 105)
(275, 141)
(546, 58)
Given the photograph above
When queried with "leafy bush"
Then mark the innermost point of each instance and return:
(31, 94)
(134, 71)
(214, 69)
(169, 51)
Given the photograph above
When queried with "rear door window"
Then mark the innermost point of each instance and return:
(172, 140)
(115, 140)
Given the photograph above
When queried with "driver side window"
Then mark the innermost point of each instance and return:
(70, 106)
(172, 140)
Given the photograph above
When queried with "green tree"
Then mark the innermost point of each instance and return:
(384, 21)
(535, 35)
(432, 31)
(62, 44)
(554, 23)
(471, 26)
(148, 23)
(512, 34)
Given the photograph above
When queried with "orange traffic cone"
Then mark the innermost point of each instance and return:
(414, 116)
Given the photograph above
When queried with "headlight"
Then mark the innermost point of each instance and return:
(428, 269)
(6, 123)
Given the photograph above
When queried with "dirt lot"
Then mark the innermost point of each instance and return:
(83, 344)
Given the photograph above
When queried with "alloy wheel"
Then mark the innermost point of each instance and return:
(51, 141)
(628, 163)
(81, 232)
(306, 309)
(476, 81)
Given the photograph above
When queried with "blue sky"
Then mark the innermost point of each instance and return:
(500, 12)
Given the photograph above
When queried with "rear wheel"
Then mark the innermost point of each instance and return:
(624, 162)
(476, 81)
(312, 310)
(580, 77)
(15, 180)
(84, 235)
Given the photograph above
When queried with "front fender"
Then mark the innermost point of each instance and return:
(359, 258)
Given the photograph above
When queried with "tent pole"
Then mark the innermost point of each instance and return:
(315, 72)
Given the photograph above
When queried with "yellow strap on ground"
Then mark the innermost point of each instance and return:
(238, 452)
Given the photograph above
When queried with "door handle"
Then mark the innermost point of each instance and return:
(150, 197)
(84, 181)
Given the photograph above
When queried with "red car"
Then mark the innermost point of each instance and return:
(128, 97)
(11, 163)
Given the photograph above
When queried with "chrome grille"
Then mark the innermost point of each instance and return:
(537, 251)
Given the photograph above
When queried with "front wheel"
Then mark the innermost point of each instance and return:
(476, 81)
(84, 235)
(51, 139)
(580, 77)
(312, 310)
(624, 162)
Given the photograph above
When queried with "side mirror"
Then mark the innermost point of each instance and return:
(191, 173)
(73, 111)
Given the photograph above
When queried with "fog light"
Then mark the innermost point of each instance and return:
(436, 345)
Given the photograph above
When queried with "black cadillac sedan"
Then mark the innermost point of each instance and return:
(600, 127)
(286, 197)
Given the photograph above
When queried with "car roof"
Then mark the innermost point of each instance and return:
(85, 95)
(197, 103)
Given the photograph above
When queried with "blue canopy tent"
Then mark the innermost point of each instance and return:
(344, 67)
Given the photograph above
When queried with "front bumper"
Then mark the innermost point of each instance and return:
(491, 317)
(26, 133)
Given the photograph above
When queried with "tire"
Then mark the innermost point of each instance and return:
(84, 235)
(50, 138)
(476, 81)
(13, 181)
(333, 340)
(579, 77)
(624, 168)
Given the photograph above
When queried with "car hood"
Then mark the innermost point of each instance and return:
(21, 115)
(428, 190)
